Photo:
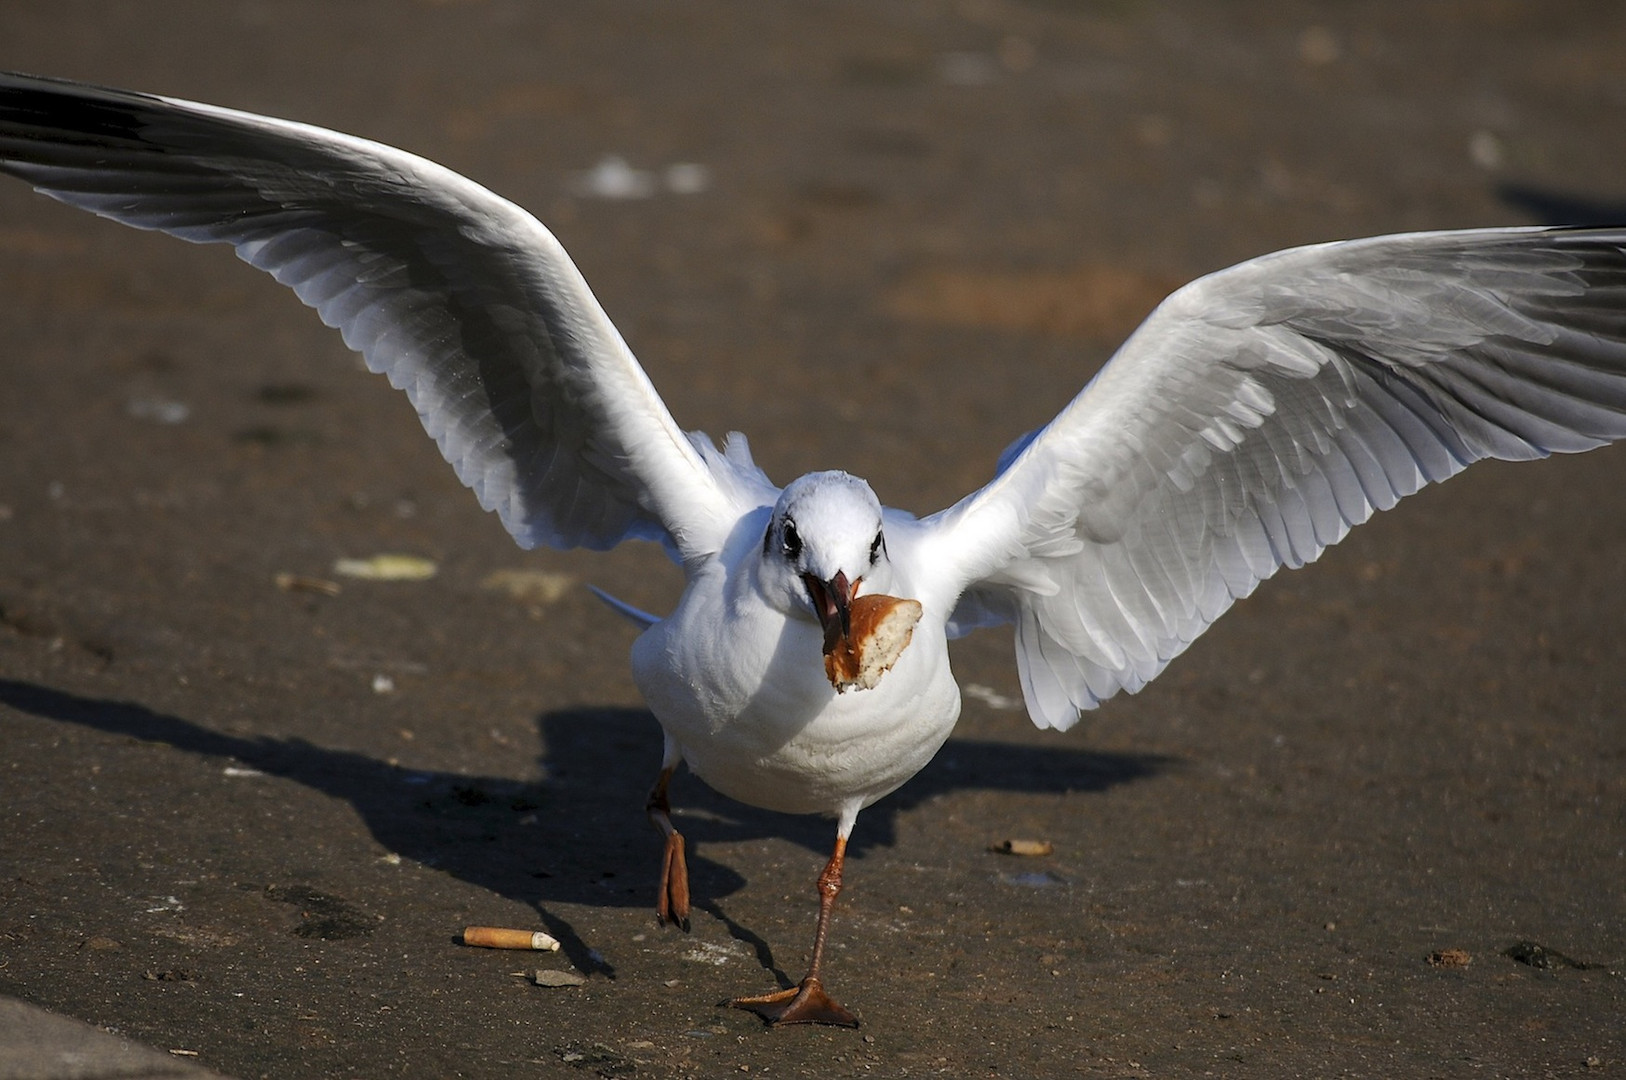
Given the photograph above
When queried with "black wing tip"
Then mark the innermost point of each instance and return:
(23, 82)
(46, 108)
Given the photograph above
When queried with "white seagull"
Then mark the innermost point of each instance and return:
(1255, 416)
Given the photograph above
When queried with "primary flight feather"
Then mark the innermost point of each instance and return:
(1255, 417)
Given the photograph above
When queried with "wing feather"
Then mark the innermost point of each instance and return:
(460, 298)
(1261, 413)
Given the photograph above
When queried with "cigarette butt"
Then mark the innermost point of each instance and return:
(1024, 847)
(498, 937)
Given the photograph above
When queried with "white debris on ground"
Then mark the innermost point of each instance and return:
(158, 410)
(542, 587)
(387, 568)
(991, 697)
(704, 952)
(614, 178)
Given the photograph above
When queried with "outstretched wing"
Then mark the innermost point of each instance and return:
(1257, 415)
(461, 298)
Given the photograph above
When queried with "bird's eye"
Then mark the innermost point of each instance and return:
(875, 549)
(790, 540)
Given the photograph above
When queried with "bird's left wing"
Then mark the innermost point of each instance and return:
(1256, 416)
(465, 301)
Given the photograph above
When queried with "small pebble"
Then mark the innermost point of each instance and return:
(551, 977)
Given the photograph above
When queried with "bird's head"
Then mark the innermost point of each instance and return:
(824, 541)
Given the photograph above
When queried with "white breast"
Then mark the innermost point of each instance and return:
(744, 693)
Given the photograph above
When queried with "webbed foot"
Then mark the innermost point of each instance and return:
(804, 1004)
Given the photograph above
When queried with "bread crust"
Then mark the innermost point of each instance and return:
(881, 627)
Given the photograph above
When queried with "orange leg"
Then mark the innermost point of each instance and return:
(807, 1003)
(672, 905)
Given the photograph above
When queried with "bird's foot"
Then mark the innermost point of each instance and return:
(672, 905)
(804, 1004)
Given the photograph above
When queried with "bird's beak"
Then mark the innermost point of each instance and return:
(832, 603)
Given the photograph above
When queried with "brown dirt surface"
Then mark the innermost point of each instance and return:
(252, 819)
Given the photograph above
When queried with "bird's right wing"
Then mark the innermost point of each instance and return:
(465, 301)
(1256, 416)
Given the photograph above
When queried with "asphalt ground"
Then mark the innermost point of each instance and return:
(249, 819)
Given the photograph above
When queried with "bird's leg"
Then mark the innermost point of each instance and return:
(807, 1003)
(672, 904)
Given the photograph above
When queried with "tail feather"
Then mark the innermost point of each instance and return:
(642, 618)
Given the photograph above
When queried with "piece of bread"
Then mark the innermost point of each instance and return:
(881, 628)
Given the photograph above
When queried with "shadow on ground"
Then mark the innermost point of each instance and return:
(1562, 208)
(575, 836)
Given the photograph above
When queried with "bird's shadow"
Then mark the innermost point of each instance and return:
(1551, 207)
(577, 834)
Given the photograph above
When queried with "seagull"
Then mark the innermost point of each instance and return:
(1255, 416)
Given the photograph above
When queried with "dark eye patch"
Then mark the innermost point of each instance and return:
(790, 540)
(876, 548)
